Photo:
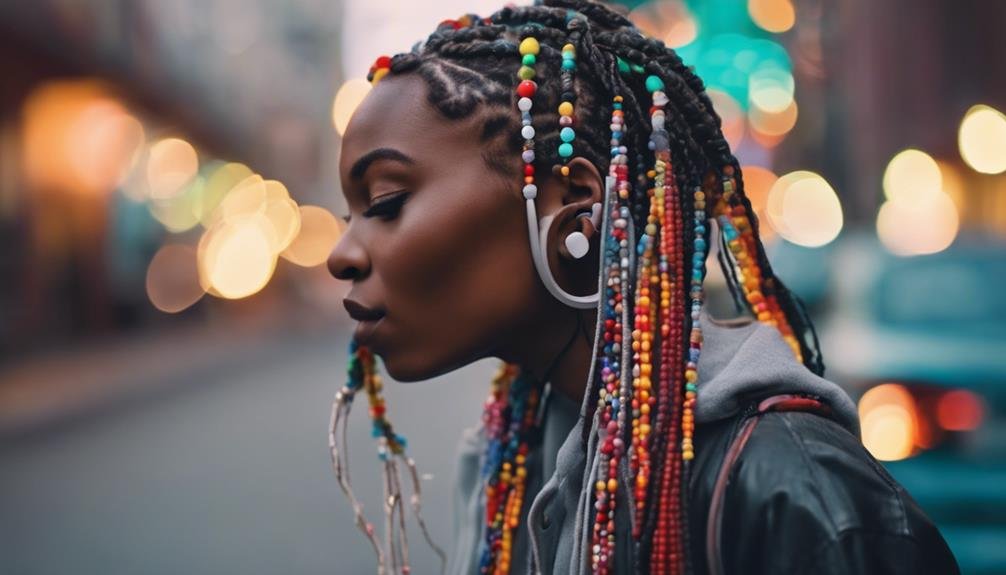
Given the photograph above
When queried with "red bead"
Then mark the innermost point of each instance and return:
(383, 62)
(526, 89)
(528, 170)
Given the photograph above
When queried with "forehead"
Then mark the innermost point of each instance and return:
(397, 114)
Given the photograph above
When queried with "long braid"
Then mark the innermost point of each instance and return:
(673, 179)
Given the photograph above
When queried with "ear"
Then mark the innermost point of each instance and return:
(574, 202)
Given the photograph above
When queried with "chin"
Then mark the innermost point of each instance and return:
(405, 369)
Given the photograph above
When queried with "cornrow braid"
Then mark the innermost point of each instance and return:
(646, 119)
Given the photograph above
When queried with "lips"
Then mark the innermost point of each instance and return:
(368, 317)
(360, 312)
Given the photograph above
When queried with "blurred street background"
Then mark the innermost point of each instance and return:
(170, 340)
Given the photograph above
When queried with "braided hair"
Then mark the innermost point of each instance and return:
(469, 65)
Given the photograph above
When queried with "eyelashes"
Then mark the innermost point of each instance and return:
(387, 206)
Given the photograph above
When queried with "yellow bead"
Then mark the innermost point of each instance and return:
(569, 48)
(378, 74)
(565, 109)
(599, 485)
(564, 170)
(529, 46)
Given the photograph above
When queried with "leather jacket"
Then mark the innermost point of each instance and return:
(804, 496)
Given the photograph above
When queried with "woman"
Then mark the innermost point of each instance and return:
(620, 436)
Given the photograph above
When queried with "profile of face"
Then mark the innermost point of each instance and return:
(437, 247)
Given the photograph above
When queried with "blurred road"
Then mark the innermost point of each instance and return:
(226, 472)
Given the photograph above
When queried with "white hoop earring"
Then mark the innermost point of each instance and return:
(539, 245)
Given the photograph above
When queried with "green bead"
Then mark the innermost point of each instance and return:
(529, 59)
(565, 150)
(526, 73)
(569, 64)
(623, 66)
(654, 83)
(637, 68)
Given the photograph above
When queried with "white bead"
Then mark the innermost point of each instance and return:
(577, 245)
(530, 191)
(527, 132)
(524, 104)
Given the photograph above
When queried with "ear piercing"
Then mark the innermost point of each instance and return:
(577, 242)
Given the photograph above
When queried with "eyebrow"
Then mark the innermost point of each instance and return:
(360, 166)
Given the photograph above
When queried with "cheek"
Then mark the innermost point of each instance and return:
(459, 274)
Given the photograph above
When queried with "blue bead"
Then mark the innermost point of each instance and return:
(567, 134)
(565, 150)
(700, 229)
(569, 64)
(654, 83)
(700, 245)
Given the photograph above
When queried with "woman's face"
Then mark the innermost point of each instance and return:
(437, 246)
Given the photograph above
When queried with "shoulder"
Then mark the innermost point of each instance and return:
(805, 487)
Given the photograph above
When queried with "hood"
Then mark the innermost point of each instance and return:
(745, 360)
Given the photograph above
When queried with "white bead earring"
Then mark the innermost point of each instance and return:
(576, 242)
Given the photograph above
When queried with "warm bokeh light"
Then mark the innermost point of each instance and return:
(180, 212)
(222, 179)
(773, 124)
(804, 209)
(236, 258)
(772, 15)
(959, 410)
(918, 226)
(173, 278)
(757, 183)
(348, 97)
(731, 114)
(671, 21)
(889, 421)
(78, 138)
(982, 139)
(954, 185)
(912, 175)
(171, 164)
(319, 232)
(771, 89)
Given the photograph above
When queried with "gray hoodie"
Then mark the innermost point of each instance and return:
(740, 360)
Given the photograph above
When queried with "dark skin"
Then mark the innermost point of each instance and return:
(438, 242)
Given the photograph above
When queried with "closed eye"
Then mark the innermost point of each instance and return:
(386, 206)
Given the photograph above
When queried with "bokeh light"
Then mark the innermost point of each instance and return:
(771, 89)
(804, 209)
(731, 114)
(221, 180)
(912, 175)
(918, 226)
(173, 278)
(171, 164)
(889, 421)
(319, 232)
(671, 21)
(78, 138)
(772, 15)
(236, 258)
(982, 139)
(959, 410)
(757, 183)
(349, 96)
(773, 124)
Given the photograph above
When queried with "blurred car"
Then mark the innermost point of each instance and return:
(920, 342)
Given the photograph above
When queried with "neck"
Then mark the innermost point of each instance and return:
(564, 357)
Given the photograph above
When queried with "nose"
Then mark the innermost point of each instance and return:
(348, 260)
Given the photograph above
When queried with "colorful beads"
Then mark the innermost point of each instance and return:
(613, 397)
(509, 418)
(529, 45)
(379, 69)
(567, 134)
